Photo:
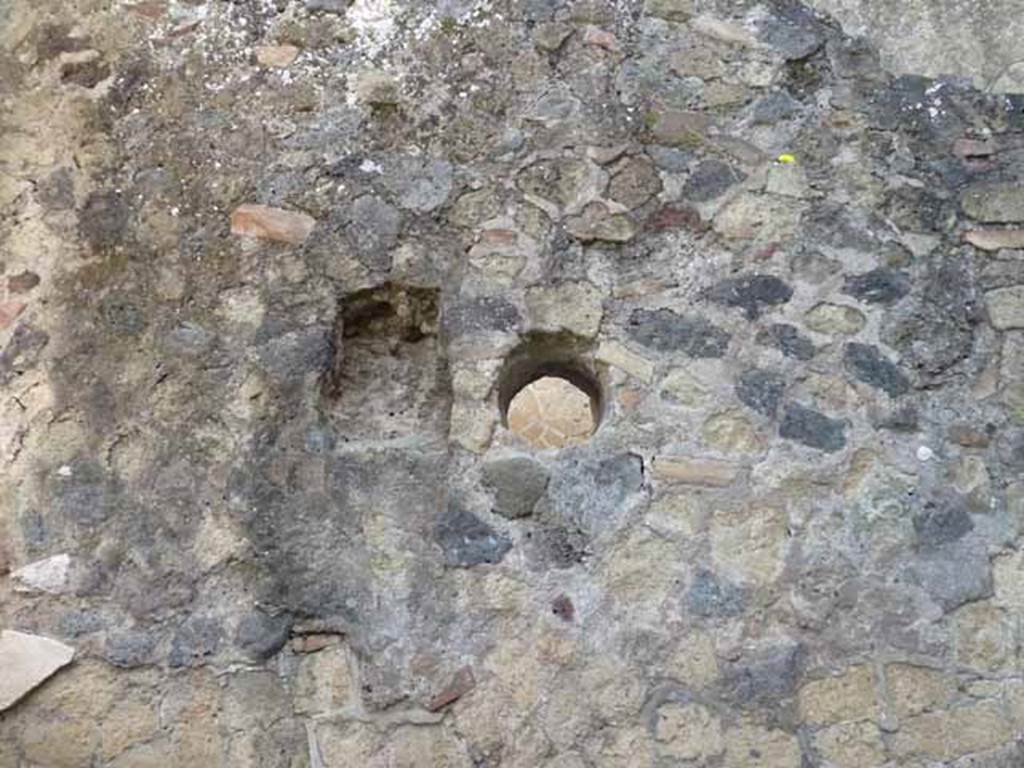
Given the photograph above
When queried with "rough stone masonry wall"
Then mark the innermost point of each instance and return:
(260, 485)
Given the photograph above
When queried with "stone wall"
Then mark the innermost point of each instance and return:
(271, 272)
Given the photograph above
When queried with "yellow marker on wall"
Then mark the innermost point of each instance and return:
(786, 159)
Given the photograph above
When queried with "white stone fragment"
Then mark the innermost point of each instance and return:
(26, 661)
(49, 575)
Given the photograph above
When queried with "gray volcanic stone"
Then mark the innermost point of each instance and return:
(879, 286)
(130, 648)
(934, 330)
(867, 364)
(196, 640)
(374, 229)
(813, 429)
(593, 496)
(711, 179)
(760, 390)
(788, 340)
(419, 184)
(518, 484)
(942, 521)
(328, 6)
(261, 635)
(765, 676)
(710, 597)
(952, 574)
(751, 293)
(666, 331)
(793, 30)
(483, 313)
(466, 540)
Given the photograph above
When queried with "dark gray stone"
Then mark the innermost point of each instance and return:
(328, 6)
(466, 540)
(813, 429)
(905, 418)
(130, 648)
(22, 352)
(123, 317)
(669, 158)
(774, 108)
(593, 495)
(481, 314)
(764, 677)
(751, 293)
(103, 220)
(788, 340)
(952, 574)
(261, 635)
(942, 520)
(419, 184)
(711, 179)
(793, 30)
(374, 230)
(760, 390)
(194, 642)
(934, 330)
(78, 623)
(666, 331)
(86, 496)
(557, 546)
(879, 286)
(1011, 449)
(518, 484)
(868, 365)
(710, 597)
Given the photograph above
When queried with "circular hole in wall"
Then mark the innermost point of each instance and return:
(549, 396)
(551, 412)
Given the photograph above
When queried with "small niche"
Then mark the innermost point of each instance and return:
(549, 395)
(388, 377)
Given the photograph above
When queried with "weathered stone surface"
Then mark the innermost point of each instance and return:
(618, 355)
(598, 223)
(276, 55)
(267, 223)
(866, 363)
(270, 467)
(1006, 307)
(849, 696)
(682, 129)
(518, 484)
(572, 306)
(28, 660)
(813, 429)
(687, 732)
(995, 203)
(665, 331)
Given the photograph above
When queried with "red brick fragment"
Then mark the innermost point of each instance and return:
(262, 221)
(462, 683)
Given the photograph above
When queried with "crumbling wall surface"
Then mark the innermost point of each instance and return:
(271, 269)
